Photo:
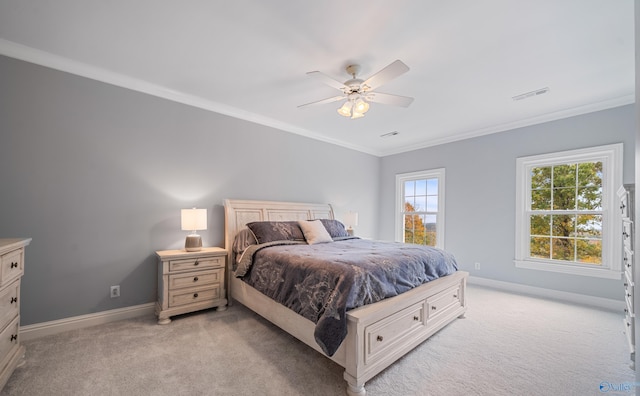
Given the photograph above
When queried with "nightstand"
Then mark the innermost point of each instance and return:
(190, 281)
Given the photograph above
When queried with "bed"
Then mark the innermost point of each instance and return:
(377, 334)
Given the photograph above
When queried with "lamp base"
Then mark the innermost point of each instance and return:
(193, 243)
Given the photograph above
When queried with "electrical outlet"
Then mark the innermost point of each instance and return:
(115, 291)
(477, 266)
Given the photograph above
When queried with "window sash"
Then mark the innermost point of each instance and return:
(430, 199)
(611, 158)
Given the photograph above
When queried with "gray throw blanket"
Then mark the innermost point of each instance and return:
(322, 282)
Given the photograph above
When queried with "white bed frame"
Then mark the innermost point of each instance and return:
(377, 334)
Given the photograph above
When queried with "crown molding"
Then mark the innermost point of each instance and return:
(47, 59)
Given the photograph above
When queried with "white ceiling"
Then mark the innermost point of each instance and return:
(249, 59)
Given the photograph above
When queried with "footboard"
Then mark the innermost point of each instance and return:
(378, 335)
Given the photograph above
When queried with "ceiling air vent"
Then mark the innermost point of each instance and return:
(531, 94)
(386, 135)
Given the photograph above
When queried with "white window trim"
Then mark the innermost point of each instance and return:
(427, 174)
(611, 156)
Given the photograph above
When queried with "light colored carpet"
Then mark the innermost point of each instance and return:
(508, 344)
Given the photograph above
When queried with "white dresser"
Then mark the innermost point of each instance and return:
(11, 270)
(626, 196)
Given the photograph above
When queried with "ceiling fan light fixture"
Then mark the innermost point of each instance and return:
(361, 106)
(345, 110)
(356, 114)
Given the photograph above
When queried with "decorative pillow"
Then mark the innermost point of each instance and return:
(334, 228)
(314, 232)
(269, 231)
(243, 240)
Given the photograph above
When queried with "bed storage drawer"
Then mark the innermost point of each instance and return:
(439, 305)
(195, 279)
(387, 332)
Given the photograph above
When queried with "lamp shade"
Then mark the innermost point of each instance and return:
(351, 218)
(194, 219)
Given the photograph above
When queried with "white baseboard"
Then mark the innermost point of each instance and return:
(38, 330)
(599, 302)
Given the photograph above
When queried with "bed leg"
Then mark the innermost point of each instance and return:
(356, 390)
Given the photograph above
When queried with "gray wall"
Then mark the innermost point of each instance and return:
(97, 176)
(480, 192)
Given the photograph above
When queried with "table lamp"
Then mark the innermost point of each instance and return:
(351, 218)
(193, 220)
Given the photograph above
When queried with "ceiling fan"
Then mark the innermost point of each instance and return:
(358, 93)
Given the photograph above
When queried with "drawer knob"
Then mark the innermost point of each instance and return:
(416, 318)
(14, 300)
(433, 308)
(380, 338)
(14, 337)
(195, 278)
(628, 295)
(622, 206)
(195, 295)
(196, 263)
(455, 296)
(624, 234)
(14, 265)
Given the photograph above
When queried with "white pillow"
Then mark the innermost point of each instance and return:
(314, 232)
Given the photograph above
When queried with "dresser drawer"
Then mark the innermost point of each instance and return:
(627, 234)
(192, 279)
(196, 263)
(194, 295)
(629, 291)
(384, 334)
(11, 266)
(443, 302)
(629, 331)
(9, 340)
(9, 303)
(624, 204)
(627, 261)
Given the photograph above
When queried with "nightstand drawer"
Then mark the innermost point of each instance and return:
(11, 265)
(196, 263)
(194, 295)
(196, 278)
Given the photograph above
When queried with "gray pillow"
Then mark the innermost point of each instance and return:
(335, 228)
(269, 231)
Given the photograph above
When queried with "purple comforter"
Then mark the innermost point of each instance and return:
(322, 282)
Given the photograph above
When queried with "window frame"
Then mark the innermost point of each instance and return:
(612, 168)
(401, 178)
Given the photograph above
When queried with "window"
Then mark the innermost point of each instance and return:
(420, 208)
(566, 217)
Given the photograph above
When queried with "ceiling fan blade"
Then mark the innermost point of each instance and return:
(390, 72)
(327, 80)
(395, 100)
(323, 101)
